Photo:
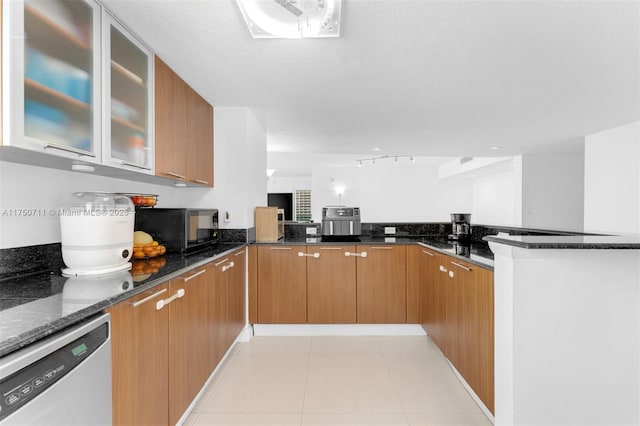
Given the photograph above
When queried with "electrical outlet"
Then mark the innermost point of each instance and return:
(312, 231)
(389, 230)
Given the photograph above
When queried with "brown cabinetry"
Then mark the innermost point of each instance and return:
(184, 130)
(331, 285)
(282, 285)
(167, 341)
(140, 356)
(381, 284)
(457, 313)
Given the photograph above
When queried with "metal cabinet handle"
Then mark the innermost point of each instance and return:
(314, 255)
(225, 268)
(221, 262)
(239, 253)
(146, 299)
(68, 149)
(461, 266)
(174, 175)
(429, 253)
(138, 166)
(204, 182)
(190, 277)
(381, 248)
(348, 253)
(330, 248)
(164, 302)
(279, 248)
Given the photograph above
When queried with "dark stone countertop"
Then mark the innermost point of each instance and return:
(39, 304)
(581, 242)
(475, 251)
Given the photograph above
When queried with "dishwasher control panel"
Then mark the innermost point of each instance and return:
(26, 384)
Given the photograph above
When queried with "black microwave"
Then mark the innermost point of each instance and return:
(180, 230)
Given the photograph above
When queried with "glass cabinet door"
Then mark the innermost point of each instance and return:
(128, 108)
(55, 76)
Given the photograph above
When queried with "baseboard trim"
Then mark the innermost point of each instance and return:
(338, 330)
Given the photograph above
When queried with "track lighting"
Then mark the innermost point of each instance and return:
(383, 157)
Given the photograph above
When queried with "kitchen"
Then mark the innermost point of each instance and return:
(246, 143)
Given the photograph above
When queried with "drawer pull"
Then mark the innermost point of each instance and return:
(225, 268)
(348, 253)
(146, 299)
(314, 255)
(137, 166)
(429, 253)
(68, 149)
(190, 277)
(461, 266)
(204, 182)
(239, 253)
(382, 248)
(279, 248)
(164, 302)
(176, 175)
(220, 262)
(330, 248)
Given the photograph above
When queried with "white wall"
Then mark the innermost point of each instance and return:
(553, 191)
(240, 151)
(278, 184)
(494, 200)
(410, 193)
(612, 180)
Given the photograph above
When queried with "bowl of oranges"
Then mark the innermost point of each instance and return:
(145, 247)
(143, 200)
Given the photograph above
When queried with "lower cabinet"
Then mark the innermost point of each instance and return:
(140, 359)
(167, 341)
(282, 285)
(457, 313)
(381, 284)
(331, 285)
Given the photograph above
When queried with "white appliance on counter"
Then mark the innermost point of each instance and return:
(96, 233)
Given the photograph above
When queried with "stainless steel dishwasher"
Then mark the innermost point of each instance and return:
(64, 379)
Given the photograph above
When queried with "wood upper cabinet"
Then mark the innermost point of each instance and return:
(199, 128)
(381, 284)
(188, 341)
(140, 356)
(184, 130)
(331, 285)
(282, 285)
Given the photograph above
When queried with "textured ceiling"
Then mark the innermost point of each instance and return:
(436, 78)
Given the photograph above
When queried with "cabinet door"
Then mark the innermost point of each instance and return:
(170, 123)
(414, 282)
(140, 359)
(217, 310)
(188, 344)
(331, 285)
(433, 296)
(55, 77)
(128, 80)
(199, 139)
(381, 285)
(237, 296)
(282, 285)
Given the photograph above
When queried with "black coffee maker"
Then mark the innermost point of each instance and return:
(460, 226)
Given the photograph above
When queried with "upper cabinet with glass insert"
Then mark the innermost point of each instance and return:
(128, 106)
(54, 77)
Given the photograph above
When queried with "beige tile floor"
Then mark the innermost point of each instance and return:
(325, 381)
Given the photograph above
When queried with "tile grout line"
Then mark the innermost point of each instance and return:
(395, 385)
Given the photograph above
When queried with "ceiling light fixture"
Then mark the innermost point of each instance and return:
(383, 157)
(292, 18)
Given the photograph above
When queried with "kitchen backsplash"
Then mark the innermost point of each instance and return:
(23, 260)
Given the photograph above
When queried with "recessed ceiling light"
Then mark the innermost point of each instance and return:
(376, 149)
(496, 147)
(291, 18)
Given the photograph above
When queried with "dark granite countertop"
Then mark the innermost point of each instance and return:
(475, 251)
(582, 242)
(36, 305)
